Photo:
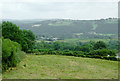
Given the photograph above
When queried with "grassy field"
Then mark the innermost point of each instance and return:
(63, 67)
(86, 40)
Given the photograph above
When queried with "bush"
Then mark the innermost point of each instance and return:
(35, 51)
(113, 58)
(11, 54)
(103, 52)
(78, 54)
(99, 45)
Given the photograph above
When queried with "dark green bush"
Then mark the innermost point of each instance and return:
(78, 54)
(99, 45)
(112, 58)
(103, 52)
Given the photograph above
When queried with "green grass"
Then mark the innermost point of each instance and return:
(86, 40)
(106, 34)
(94, 26)
(63, 67)
(61, 23)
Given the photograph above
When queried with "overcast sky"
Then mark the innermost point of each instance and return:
(52, 9)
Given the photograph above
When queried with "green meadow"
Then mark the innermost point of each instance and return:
(62, 67)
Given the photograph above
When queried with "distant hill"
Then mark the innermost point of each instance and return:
(66, 28)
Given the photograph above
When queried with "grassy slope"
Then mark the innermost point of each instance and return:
(63, 67)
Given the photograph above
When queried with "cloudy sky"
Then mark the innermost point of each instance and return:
(52, 9)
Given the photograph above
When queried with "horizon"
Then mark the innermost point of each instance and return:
(59, 19)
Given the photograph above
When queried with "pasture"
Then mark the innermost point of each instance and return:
(62, 67)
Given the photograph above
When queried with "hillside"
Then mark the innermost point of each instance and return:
(64, 28)
(63, 67)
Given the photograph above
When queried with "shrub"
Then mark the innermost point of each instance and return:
(11, 54)
(112, 58)
(99, 45)
(35, 51)
(103, 52)
(79, 54)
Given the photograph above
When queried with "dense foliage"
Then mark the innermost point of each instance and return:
(11, 54)
(90, 49)
(24, 37)
(14, 40)
(99, 45)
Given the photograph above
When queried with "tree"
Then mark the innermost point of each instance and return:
(11, 31)
(56, 45)
(29, 38)
(25, 38)
(99, 45)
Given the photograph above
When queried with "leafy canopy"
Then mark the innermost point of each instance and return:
(24, 37)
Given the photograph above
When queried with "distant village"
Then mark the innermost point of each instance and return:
(49, 39)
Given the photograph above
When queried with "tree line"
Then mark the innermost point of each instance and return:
(89, 49)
